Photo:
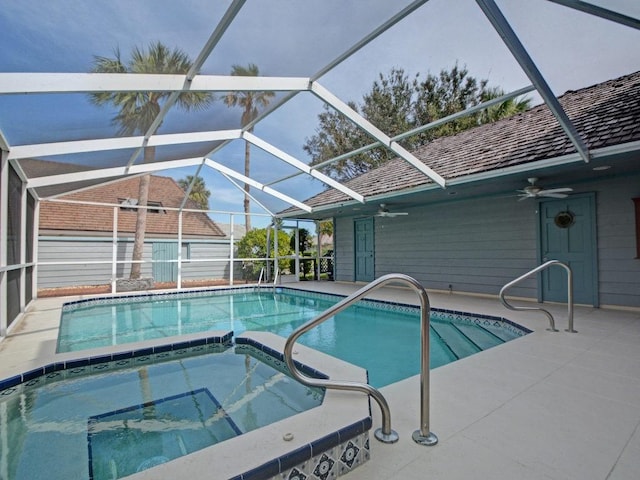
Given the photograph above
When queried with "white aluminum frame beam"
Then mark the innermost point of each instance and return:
(117, 143)
(211, 43)
(600, 12)
(326, 96)
(24, 83)
(511, 40)
(241, 188)
(303, 167)
(255, 184)
(4, 221)
(111, 172)
(4, 143)
(423, 128)
(363, 42)
(190, 187)
(335, 62)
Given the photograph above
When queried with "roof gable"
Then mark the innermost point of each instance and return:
(98, 218)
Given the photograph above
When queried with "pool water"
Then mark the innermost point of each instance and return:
(384, 338)
(110, 425)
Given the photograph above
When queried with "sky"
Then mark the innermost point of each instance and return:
(289, 38)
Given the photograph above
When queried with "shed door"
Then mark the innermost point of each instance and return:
(364, 250)
(567, 233)
(164, 252)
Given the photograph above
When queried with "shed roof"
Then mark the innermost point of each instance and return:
(59, 216)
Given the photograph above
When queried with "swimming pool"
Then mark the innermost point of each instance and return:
(357, 335)
(112, 419)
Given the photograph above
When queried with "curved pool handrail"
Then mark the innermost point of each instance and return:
(552, 325)
(385, 434)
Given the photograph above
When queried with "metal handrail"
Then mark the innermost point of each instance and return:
(385, 434)
(275, 276)
(550, 263)
(261, 275)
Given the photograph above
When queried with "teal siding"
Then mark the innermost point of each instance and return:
(479, 245)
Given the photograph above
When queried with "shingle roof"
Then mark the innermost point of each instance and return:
(95, 218)
(605, 114)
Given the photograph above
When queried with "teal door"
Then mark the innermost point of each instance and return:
(164, 270)
(364, 250)
(567, 233)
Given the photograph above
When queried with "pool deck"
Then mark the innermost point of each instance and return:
(550, 405)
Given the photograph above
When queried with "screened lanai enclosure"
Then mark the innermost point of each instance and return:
(236, 109)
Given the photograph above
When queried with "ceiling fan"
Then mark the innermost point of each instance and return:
(535, 191)
(383, 211)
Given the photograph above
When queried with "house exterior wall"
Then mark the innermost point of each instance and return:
(79, 249)
(618, 265)
(479, 245)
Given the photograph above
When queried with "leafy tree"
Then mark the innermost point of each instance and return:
(250, 103)
(304, 241)
(397, 104)
(326, 227)
(199, 192)
(254, 245)
(138, 110)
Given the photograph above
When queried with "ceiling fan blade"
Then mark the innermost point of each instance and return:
(555, 190)
(391, 214)
(552, 195)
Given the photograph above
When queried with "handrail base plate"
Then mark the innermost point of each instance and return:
(391, 437)
(427, 441)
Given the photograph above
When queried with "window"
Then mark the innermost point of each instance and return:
(128, 204)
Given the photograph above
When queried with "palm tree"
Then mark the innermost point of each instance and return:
(199, 192)
(138, 110)
(249, 101)
(504, 109)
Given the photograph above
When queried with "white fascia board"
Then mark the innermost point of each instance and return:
(274, 193)
(21, 83)
(111, 172)
(355, 117)
(276, 152)
(117, 143)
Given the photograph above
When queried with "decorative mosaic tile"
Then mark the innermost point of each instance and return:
(324, 467)
(294, 474)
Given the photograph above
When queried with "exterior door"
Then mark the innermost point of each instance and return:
(165, 270)
(567, 233)
(365, 259)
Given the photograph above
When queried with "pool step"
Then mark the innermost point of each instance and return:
(459, 343)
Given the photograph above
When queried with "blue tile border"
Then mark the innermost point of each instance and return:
(278, 357)
(61, 370)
